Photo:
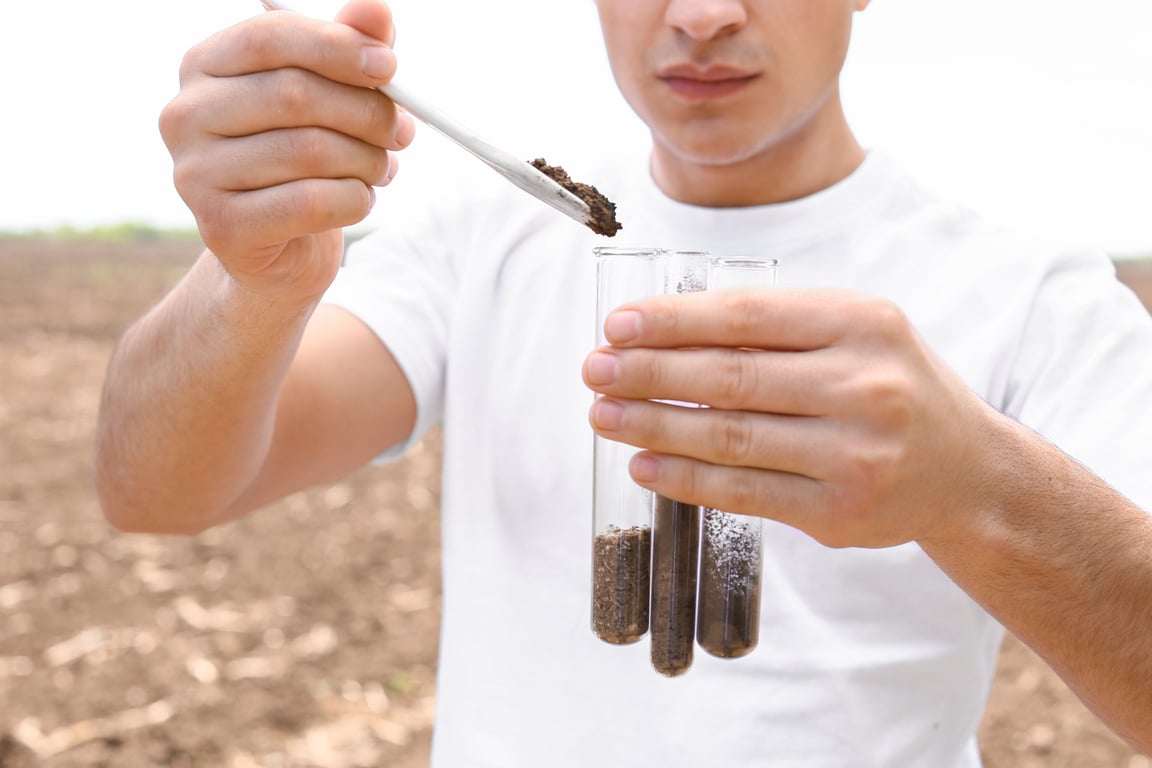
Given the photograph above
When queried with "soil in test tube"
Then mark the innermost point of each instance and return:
(602, 213)
(675, 556)
(728, 622)
(676, 531)
(621, 579)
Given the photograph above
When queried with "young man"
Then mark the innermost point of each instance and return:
(886, 408)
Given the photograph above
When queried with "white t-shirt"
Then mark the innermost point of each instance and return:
(866, 657)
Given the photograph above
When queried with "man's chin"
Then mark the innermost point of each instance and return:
(715, 150)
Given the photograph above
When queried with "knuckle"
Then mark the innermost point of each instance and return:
(192, 62)
(188, 178)
(647, 423)
(176, 118)
(738, 379)
(340, 202)
(378, 116)
(882, 320)
(313, 202)
(744, 492)
(735, 438)
(258, 38)
(688, 483)
(664, 315)
(213, 219)
(865, 467)
(293, 91)
(869, 475)
(743, 312)
(889, 394)
(307, 147)
(651, 365)
(172, 117)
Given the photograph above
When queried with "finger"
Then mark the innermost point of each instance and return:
(793, 444)
(744, 379)
(282, 39)
(763, 319)
(287, 98)
(372, 18)
(791, 499)
(278, 157)
(270, 216)
(393, 169)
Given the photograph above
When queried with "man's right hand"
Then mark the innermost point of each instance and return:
(278, 136)
(237, 388)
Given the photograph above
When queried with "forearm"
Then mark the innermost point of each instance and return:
(189, 403)
(1065, 563)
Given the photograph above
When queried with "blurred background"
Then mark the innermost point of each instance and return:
(306, 634)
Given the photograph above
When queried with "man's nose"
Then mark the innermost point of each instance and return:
(706, 19)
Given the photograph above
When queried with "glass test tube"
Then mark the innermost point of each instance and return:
(731, 550)
(676, 526)
(621, 509)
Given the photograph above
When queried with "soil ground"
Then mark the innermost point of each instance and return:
(302, 636)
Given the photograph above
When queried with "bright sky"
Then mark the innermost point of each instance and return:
(1038, 112)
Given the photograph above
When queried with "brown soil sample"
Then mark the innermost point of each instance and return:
(621, 579)
(602, 216)
(675, 557)
(728, 620)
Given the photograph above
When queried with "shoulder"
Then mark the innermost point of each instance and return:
(971, 240)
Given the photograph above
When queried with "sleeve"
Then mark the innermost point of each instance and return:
(1083, 374)
(400, 281)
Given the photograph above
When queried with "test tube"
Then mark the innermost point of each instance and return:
(676, 525)
(621, 509)
(731, 547)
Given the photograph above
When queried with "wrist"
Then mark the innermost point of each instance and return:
(286, 279)
(995, 486)
(257, 304)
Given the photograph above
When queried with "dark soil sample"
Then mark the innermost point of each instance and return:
(621, 579)
(728, 622)
(675, 560)
(602, 216)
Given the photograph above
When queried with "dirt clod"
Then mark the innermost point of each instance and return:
(602, 218)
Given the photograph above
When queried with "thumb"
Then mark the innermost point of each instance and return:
(371, 17)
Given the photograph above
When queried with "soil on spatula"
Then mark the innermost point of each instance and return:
(602, 216)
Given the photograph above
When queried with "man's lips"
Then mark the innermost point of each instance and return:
(695, 82)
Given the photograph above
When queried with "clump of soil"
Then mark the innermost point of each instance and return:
(621, 581)
(602, 215)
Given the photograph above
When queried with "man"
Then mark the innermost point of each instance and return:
(881, 407)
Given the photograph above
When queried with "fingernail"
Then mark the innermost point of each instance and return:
(371, 197)
(405, 129)
(645, 468)
(601, 368)
(377, 61)
(385, 177)
(607, 414)
(622, 326)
